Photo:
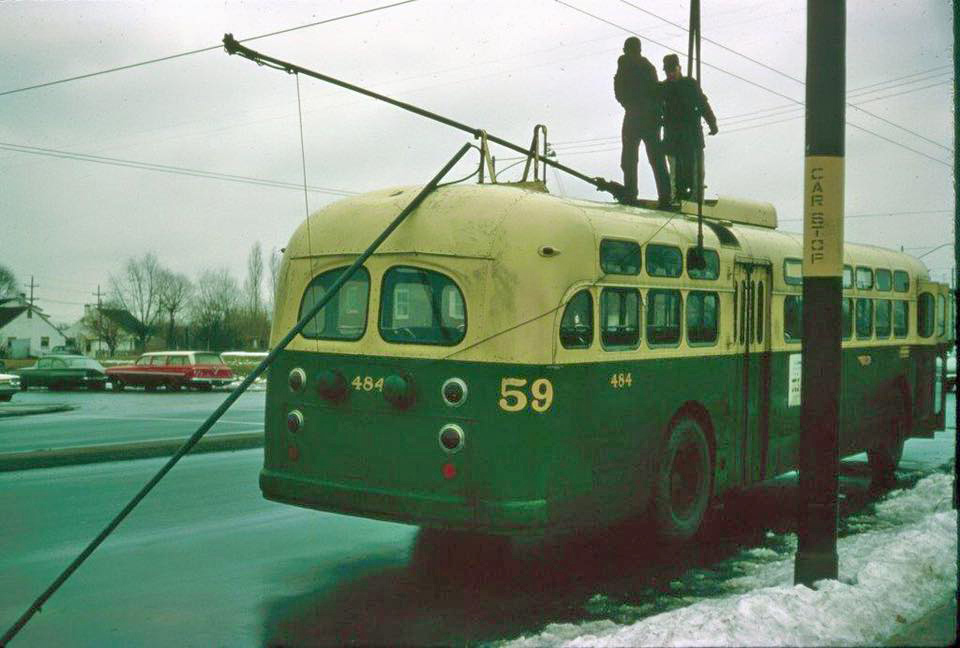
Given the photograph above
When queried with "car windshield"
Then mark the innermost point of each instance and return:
(84, 363)
(207, 358)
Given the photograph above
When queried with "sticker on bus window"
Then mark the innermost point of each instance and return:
(793, 379)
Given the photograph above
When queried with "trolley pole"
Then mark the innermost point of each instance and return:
(822, 292)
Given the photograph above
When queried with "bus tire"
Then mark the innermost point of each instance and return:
(681, 490)
(886, 453)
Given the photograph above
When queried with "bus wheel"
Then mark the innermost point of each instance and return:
(884, 456)
(682, 488)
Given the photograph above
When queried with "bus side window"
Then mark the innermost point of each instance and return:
(864, 278)
(901, 281)
(663, 316)
(576, 325)
(792, 318)
(620, 318)
(884, 281)
(620, 257)
(883, 318)
(941, 316)
(759, 308)
(702, 324)
(925, 315)
(846, 322)
(664, 261)
(901, 315)
(864, 318)
(847, 277)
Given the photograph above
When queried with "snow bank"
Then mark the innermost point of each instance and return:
(901, 565)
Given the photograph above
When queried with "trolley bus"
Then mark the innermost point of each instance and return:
(511, 362)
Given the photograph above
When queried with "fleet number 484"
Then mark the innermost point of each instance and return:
(514, 399)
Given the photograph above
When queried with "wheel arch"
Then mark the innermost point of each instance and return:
(698, 412)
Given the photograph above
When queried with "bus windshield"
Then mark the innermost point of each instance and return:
(419, 306)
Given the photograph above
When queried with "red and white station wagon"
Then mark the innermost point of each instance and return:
(201, 370)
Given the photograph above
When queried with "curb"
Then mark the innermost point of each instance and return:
(124, 451)
(26, 410)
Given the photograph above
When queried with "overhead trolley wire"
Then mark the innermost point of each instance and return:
(203, 49)
(165, 168)
(771, 90)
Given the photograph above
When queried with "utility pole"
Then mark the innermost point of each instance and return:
(32, 286)
(98, 295)
(820, 383)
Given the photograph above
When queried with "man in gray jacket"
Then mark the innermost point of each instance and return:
(636, 88)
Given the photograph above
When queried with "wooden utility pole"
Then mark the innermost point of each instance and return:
(98, 295)
(820, 385)
(32, 286)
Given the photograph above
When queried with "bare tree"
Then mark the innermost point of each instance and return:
(254, 283)
(106, 328)
(274, 265)
(173, 294)
(214, 308)
(8, 282)
(137, 290)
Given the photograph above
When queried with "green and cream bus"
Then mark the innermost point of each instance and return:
(511, 362)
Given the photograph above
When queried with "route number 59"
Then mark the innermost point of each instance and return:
(515, 399)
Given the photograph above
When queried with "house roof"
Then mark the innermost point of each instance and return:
(7, 315)
(123, 318)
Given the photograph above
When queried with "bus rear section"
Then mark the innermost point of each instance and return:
(371, 412)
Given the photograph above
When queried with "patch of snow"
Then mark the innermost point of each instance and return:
(899, 569)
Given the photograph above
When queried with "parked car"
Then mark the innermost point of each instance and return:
(173, 370)
(63, 350)
(9, 385)
(64, 372)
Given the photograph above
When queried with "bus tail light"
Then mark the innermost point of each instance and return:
(399, 391)
(294, 421)
(452, 438)
(454, 392)
(296, 379)
(332, 385)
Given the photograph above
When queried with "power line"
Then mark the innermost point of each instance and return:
(770, 90)
(881, 214)
(163, 168)
(790, 77)
(202, 49)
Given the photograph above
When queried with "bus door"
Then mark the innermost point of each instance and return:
(934, 324)
(752, 344)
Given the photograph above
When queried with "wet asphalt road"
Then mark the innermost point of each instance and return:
(206, 561)
(128, 416)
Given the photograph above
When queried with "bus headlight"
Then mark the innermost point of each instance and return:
(452, 438)
(331, 385)
(399, 391)
(454, 392)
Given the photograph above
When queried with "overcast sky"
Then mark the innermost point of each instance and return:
(501, 65)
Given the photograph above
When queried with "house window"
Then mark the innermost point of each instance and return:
(45, 343)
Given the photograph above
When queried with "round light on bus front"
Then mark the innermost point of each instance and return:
(454, 392)
(452, 438)
(399, 391)
(296, 379)
(294, 421)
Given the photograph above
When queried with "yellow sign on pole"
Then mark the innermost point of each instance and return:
(823, 216)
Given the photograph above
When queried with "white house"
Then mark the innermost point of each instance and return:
(25, 330)
(90, 343)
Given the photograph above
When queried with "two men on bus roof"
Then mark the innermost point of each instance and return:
(678, 105)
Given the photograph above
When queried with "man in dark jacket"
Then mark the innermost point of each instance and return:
(636, 88)
(684, 105)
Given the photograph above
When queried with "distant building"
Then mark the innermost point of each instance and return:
(115, 322)
(25, 330)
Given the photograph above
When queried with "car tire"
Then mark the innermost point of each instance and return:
(4, 398)
(886, 453)
(173, 386)
(681, 490)
(118, 385)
